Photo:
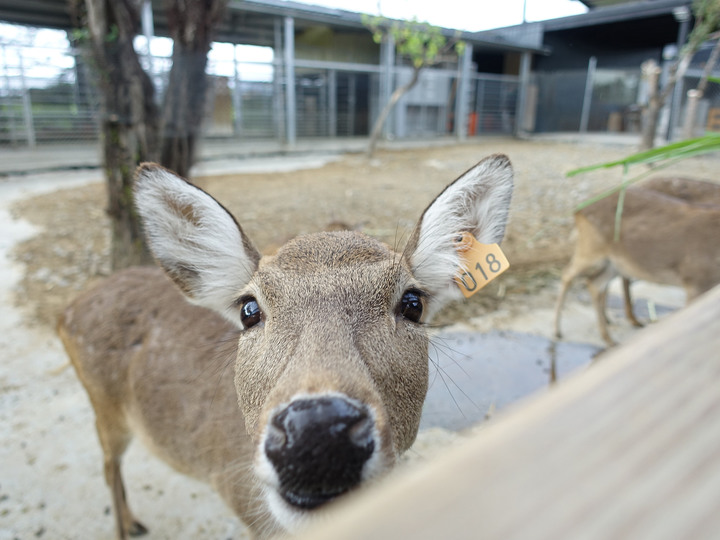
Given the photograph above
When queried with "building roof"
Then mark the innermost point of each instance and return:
(609, 11)
(649, 20)
(251, 22)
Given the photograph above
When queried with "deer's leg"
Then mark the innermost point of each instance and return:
(580, 265)
(598, 287)
(568, 275)
(629, 313)
(114, 439)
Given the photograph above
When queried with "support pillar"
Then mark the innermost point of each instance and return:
(521, 112)
(461, 99)
(290, 108)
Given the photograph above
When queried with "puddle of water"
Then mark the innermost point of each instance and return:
(473, 373)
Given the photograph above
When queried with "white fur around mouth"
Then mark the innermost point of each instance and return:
(291, 517)
(288, 517)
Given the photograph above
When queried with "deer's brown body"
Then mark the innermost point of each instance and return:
(307, 374)
(669, 235)
(147, 357)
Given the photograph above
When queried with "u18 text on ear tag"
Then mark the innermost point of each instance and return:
(481, 263)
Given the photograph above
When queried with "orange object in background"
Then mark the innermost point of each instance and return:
(472, 123)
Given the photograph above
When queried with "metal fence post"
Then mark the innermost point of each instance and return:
(236, 95)
(587, 98)
(387, 61)
(521, 110)
(27, 105)
(480, 105)
(461, 99)
(332, 102)
(290, 105)
(11, 113)
(351, 104)
(148, 30)
(278, 96)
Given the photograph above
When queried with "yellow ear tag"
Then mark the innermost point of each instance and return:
(481, 263)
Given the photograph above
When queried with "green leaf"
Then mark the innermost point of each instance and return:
(683, 149)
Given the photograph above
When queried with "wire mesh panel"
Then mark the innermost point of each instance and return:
(45, 94)
(493, 104)
(353, 102)
(428, 109)
(615, 99)
(560, 100)
(335, 101)
(312, 94)
(612, 104)
(48, 94)
(242, 99)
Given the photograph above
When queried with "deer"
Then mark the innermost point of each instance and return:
(668, 235)
(688, 189)
(284, 381)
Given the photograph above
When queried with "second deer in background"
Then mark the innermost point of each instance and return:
(669, 234)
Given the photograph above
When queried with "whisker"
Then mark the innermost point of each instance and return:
(443, 373)
(442, 378)
(438, 344)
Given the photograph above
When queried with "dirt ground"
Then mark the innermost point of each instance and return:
(51, 448)
(383, 197)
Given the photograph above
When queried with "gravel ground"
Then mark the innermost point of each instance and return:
(56, 243)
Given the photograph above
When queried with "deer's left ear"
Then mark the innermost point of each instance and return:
(195, 239)
(478, 202)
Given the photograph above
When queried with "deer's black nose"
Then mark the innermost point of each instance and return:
(318, 448)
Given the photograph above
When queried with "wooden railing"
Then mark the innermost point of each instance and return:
(629, 448)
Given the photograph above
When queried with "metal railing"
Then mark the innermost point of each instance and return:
(47, 95)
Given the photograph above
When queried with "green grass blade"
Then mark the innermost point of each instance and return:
(682, 149)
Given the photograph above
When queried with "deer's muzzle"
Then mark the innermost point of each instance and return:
(318, 448)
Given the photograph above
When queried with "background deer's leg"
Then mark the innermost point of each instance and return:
(629, 313)
(598, 286)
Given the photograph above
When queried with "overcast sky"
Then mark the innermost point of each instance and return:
(472, 15)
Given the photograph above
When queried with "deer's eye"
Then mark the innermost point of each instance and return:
(411, 305)
(250, 313)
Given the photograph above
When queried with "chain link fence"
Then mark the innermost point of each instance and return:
(583, 101)
(600, 99)
(47, 95)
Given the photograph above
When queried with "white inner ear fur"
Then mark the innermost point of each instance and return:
(478, 202)
(194, 238)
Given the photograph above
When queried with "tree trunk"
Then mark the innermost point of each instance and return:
(394, 98)
(651, 71)
(191, 23)
(694, 96)
(129, 117)
(657, 98)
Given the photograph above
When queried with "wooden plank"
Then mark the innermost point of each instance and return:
(629, 448)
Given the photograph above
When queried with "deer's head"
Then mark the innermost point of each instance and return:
(332, 362)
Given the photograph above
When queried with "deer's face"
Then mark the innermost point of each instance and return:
(332, 367)
(332, 360)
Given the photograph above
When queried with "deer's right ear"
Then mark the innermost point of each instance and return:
(478, 202)
(194, 238)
